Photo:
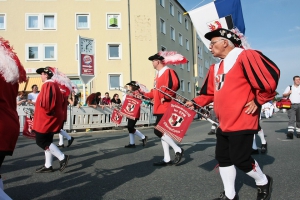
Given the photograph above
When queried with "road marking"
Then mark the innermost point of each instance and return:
(284, 140)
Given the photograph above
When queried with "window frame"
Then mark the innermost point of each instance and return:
(162, 3)
(172, 35)
(180, 39)
(4, 21)
(120, 80)
(171, 7)
(188, 66)
(186, 24)
(88, 21)
(189, 88)
(187, 44)
(182, 85)
(41, 52)
(162, 25)
(108, 52)
(119, 21)
(40, 21)
(44, 51)
(179, 18)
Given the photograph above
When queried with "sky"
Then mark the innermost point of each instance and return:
(272, 27)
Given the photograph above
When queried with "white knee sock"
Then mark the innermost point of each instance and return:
(259, 177)
(228, 175)
(65, 134)
(262, 136)
(169, 140)
(4, 196)
(254, 143)
(166, 146)
(131, 138)
(1, 184)
(48, 158)
(61, 139)
(138, 133)
(56, 152)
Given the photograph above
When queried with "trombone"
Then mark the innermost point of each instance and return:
(186, 99)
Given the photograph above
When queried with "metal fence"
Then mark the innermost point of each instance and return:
(87, 117)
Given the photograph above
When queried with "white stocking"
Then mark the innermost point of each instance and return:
(169, 140)
(138, 133)
(4, 196)
(48, 158)
(254, 143)
(228, 175)
(131, 138)
(166, 146)
(262, 136)
(61, 139)
(65, 134)
(56, 152)
(259, 177)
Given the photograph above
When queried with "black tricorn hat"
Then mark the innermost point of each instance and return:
(47, 70)
(133, 83)
(221, 32)
(156, 57)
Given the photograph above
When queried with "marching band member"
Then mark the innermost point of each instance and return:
(48, 119)
(165, 77)
(132, 87)
(11, 74)
(252, 78)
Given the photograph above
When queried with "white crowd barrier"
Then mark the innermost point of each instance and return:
(87, 117)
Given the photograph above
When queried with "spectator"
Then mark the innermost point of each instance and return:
(106, 99)
(116, 100)
(266, 110)
(94, 100)
(293, 93)
(33, 95)
(74, 99)
(21, 99)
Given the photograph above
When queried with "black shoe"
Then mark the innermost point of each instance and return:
(178, 156)
(264, 191)
(163, 163)
(298, 135)
(263, 148)
(212, 132)
(255, 151)
(290, 135)
(130, 146)
(70, 141)
(44, 169)
(145, 141)
(223, 197)
(64, 163)
(61, 146)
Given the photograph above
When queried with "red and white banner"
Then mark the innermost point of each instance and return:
(27, 130)
(176, 121)
(116, 116)
(131, 107)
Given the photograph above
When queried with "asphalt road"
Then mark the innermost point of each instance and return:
(101, 168)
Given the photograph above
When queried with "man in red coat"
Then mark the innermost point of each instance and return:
(165, 77)
(11, 72)
(243, 81)
(48, 118)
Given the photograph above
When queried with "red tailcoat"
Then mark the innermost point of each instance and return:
(49, 114)
(9, 119)
(248, 75)
(169, 79)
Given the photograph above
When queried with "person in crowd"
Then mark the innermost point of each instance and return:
(293, 93)
(252, 78)
(33, 95)
(165, 77)
(116, 100)
(263, 148)
(133, 86)
(106, 100)
(94, 100)
(12, 73)
(48, 119)
(267, 110)
(21, 99)
(75, 102)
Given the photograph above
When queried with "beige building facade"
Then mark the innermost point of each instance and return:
(126, 33)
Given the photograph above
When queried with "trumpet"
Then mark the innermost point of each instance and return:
(136, 94)
(182, 101)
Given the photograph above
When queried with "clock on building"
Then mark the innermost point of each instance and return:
(86, 45)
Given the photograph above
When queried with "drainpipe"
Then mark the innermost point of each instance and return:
(129, 34)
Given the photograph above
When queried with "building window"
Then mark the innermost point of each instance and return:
(162, 26)
(82, 21)
(180, 39)
(200, 71)
(114, 81)
(172, 33)
(41, 52)
(179, 17)
(113, 21)
(2, 22)
(162, 3)
(41, 21)
(182, 85)
(187, 44)
(171, 9)
(199, 49)
(181, 66)
(186, 23)
(163, 48)
(189, 86)
(114, 51)
(188, 66)
(206, 64)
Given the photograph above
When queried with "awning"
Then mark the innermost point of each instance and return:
(31, 81)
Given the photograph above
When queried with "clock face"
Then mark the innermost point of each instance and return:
(87, 46)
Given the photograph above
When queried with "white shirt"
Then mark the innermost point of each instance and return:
(33, 96)
(295, 96)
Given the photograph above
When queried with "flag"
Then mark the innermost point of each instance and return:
(218, 14)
